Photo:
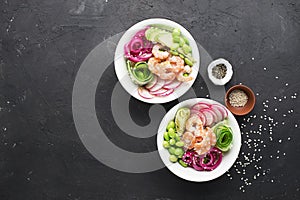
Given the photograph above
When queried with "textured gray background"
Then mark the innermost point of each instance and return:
(43, 43)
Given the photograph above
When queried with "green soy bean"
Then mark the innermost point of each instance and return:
(178, 151)
(176, 39)
(175, 53)
(172, 150)
(186, 40)
(171, 124)
(172, 142)
(179, 144)
(182, 163)
(166, 136)
(172, 133)
(166, 144)
(188, 62)
(173, 158)
(176, 32)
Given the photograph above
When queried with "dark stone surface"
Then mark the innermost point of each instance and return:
(43, 43)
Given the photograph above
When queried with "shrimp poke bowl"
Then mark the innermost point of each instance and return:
(199, 139)
(156, 60)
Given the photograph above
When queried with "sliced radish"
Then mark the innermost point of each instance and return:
(168, 82)
(173, 85)
(159, 84)
(209, 117)
(167, 93)
(144, 93)
(194, 111)
(215, 115)
(200, 106)
(151, 83)
(160, 91)
(200, 115)
(218, 113)
(222, 109)
(212, 113)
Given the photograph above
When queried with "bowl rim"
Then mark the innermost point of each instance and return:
(245, 89)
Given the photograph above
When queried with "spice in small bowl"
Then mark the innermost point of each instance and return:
(240, 100)
(220, 71)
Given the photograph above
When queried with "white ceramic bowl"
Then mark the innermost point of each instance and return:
(189, 173)
(120, 64)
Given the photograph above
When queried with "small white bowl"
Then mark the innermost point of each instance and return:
(229, 71)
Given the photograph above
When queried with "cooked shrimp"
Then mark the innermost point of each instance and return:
(194, 125)
(202, 143)
(180, 77)
(212, 135)
(177, 63)
(197, 137)
(188, 139)
(152, 62)
(158, 53)
(161, 69)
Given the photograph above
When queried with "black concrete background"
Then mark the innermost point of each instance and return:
(42, 44)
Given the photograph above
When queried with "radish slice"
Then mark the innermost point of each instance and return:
(209, 117)
(200, 106)
(167, 93)
(159, 84)
(213, 115)
(218, 113)
(200, 115)
(158, 92)
(168, 82)
(144, 93)
(173, 85)
(151, 83)
(222, 109)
